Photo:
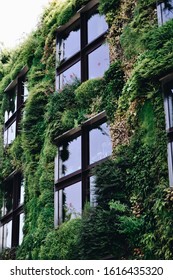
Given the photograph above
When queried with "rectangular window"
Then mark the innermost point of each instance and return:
(17, 94)
(167, 83)
(12, 212)
(164, 12)
(79, 150)
(88, 57)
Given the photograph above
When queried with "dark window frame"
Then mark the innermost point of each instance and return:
(83, 175)
(85, 47)
(13, 215)
(16, 87)
(167, 85)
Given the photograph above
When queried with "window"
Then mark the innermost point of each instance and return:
(79, 150)
(167, 83)
(164, 12)
(12, 216)
(81, 49)
(17, 94)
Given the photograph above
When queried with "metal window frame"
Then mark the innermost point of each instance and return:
(15, 179)
(85, 47)
(85, 172)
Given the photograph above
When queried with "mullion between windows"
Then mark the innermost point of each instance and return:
(85, 162)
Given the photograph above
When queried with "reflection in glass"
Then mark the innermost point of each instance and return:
(100, 143)
(163, 13)
(93, 197)
(96, 26)
(22, 192)
(98, 61)
(5, 138)
(21, 224)
(170, 109)
(68, 46)
(8, 197)
(7, 235)
(26, 92)
(72, 202)
(69, 76)
(70, 157)
(6, 116)
(1, 238)
(11, 131)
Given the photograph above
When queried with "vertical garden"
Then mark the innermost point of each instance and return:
(133, 218)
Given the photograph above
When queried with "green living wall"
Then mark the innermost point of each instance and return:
(134, 217)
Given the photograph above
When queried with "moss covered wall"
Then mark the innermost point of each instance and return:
(133, 218)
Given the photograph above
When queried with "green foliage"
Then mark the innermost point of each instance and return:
(8, 254)
(107, 7)
(113, 85)
(87, 91)
(133, 218)
(100, 237)
(62, 243)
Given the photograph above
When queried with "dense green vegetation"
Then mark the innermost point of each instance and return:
(134, 217)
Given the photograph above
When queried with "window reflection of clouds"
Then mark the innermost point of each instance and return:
(98, 61)
(72, 201)
(103, 146)
(96, 26)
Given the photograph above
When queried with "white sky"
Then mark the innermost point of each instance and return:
(18, 18)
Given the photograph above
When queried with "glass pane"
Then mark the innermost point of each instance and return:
(72, 201)
(164, 14)
(21, 224)
(10, 114)
(96, 26)
(69, 76)
(70, 157)
(68, 46)
(98, 61)
(13, 100)
(5, 138)
(60, 207)
(22, 192)
(100, 143)
(170, 108)
(56, 168)
(26, 92)
(1, 238)
(93, 199)
(12, 132)
(6, 116)
(7, 235)
(8, 197)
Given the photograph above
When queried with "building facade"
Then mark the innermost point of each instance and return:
(87, 160)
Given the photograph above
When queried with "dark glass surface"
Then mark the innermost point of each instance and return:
(170, 108)
(98, 61)
(70, 157)
(8, 196)
(100, 143)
